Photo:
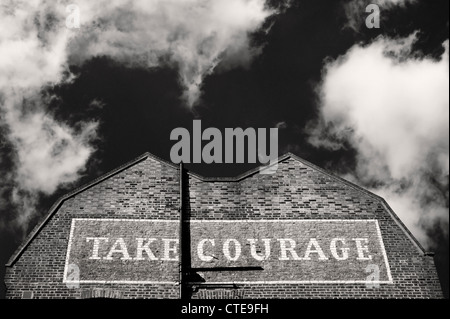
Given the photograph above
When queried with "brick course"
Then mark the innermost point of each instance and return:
(149, 188)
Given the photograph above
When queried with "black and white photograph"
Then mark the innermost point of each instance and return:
(204, 151)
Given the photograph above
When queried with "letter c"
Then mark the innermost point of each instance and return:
(200, 250)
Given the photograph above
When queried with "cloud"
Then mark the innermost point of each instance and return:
(37, 47)
(46, 153)
(355, 10)
(392, 107)
(194, 35)
(32, 45)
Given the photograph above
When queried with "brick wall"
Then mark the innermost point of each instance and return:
(146, 189)
(149, 189)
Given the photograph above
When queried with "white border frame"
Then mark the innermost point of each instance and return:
(377, 227)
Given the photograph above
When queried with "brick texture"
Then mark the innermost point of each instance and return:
(149, 189)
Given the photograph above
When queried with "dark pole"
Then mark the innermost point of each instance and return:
(180, 235)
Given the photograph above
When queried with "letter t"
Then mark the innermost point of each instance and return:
(96, 245)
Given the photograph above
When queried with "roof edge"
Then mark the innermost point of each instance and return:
(383, 202)
(238, 178)
(242, 176)
(43, 221)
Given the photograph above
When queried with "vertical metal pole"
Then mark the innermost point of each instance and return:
(180, 235)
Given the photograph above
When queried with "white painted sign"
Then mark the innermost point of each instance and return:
(258, 251)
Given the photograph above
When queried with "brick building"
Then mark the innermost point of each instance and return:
(150, 229)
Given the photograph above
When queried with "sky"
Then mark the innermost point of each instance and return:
(87, 86)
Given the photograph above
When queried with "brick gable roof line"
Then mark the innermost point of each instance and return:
(238, 178)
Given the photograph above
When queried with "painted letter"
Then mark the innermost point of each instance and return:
(285, 249)
(344, 251)
(362, 249)
(318, 250)
(237, 248)
(200, 251)
(141, 247)
(122, 250)
(96, 245)
(168, 249)
(253, 249)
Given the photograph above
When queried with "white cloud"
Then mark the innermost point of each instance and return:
(194, 34)
(36, 48)
(393, 108)
(46, 153)
(32, 45)
(49, 153)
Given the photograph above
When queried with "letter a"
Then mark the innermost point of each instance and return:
(122, 250)
(73, 19)
(215, 146)
(318, 250)
(184, 145)
(373, 19)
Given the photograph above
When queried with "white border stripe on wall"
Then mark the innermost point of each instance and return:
(383, 250)
(386, 262)
(66, 266)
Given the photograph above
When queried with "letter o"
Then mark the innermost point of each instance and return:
(226, 249)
